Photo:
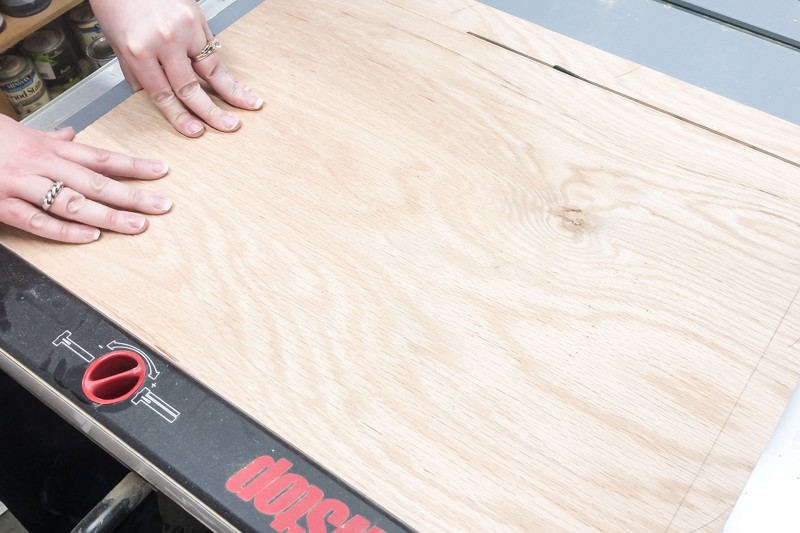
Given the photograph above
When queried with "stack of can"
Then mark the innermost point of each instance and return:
(47, 62)
(54, 57)
(89, 36)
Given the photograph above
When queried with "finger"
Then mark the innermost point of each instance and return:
(111, 163)
(155, 82)
(182, 78)
(227, 87)
(70, 204)
(207, 30)
(129, 75)
(64, 134)
(21, 214)
(94, 186)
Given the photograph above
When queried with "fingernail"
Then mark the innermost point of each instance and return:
(194, 127)
(254, 101)
(90, 233)
(159, 167)
(229, 122)
(161, 203)
(136, 221)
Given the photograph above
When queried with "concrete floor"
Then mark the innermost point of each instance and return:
(9, 524)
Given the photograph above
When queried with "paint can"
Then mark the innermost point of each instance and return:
(22, 84)
(23, 8)
(54, 58)
(84, 25)
(100, 52)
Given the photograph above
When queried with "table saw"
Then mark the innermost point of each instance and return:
(462, 273)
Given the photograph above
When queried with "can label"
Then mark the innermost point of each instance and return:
(86, 32)
(26, 93)
(45, 67)
(59, 87)
(84, 25)
(58, 65)
(53, 56)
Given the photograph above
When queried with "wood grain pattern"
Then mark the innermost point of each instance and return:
(725, 469)
(750, 126)
(490, 296)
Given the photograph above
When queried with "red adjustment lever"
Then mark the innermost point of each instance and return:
(114, 377)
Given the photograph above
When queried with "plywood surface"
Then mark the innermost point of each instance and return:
(490, 296)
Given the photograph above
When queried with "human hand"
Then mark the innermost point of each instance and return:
(155, 41)
(32, 161)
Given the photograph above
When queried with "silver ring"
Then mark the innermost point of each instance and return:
(210, 48)
(50, 197)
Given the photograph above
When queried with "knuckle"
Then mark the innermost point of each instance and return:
(167, 33)
(238, 90)
(180, 116)
(75, 203)
(98, 183)
(138, 165)
(64, 233)
(217, 71)
(111, 218)
(32, 151)
(189, 90)
(10, 214)
(163, 98)
(212, 111)
(101, 156)
(135, 50)
(38, 221)
(136, 196)
(188, 15)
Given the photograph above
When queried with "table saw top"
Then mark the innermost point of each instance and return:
(482, 292)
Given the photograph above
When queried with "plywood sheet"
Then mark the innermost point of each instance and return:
(490, 296)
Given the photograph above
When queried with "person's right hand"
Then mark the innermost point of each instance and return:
(32, 161)
(155, 41)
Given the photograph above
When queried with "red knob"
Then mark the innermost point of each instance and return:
(114, 377)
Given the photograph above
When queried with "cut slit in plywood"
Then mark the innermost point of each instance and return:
(747, 125)
(488, 295)
(716, 127)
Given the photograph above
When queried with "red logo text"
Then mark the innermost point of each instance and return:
(288, 497)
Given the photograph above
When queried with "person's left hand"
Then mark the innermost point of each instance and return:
(32, 163)
(155, 41)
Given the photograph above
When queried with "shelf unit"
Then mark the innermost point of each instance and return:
(17, 28)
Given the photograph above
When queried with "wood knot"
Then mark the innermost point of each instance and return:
(573, 219)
